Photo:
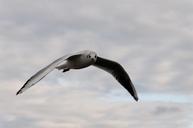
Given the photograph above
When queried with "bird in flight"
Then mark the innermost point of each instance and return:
(81, 60)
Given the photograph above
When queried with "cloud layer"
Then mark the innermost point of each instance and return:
(152, 39)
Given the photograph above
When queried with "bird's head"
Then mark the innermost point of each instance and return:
(92, 56)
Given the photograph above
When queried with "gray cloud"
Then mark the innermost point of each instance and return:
(50, 107)
(151, 39)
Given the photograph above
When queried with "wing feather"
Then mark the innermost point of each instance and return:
(118, 72)
(42, 73)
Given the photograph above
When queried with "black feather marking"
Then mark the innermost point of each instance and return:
(118, 72)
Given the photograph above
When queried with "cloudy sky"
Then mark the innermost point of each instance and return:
(152, 39)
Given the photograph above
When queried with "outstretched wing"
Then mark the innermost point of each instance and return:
(43, 72)
(118, 72)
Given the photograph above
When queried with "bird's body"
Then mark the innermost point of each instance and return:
(81, 60)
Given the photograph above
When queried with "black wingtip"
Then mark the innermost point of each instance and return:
(136, 99)
(18, 92)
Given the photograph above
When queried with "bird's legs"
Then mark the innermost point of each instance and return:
(63, 67)
(65, 70)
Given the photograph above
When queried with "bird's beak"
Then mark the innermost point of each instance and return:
(93, 59)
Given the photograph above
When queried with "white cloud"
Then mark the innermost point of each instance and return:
(151, 39)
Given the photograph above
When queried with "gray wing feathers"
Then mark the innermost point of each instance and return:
(118, 72)
(41, 74)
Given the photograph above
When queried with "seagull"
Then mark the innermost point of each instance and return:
(81, 60)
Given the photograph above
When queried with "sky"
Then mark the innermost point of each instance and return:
(151, 39)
